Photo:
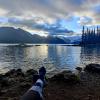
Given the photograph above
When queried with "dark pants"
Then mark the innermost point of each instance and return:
(32, 95)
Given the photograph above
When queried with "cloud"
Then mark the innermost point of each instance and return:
(45, 8)
(96, 14)
(40, 25)
(85, 21)
(43, 15)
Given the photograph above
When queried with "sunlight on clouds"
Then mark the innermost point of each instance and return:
(3, 12)
(41, 33)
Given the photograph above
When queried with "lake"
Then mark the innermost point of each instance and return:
(54, 57)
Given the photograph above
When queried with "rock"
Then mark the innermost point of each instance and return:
(9, 73)
(73, 78)
(31, 72)
(66, 72)
(61, 76)
(25, 85)
(19, 72)
(65, 76)
(4, 91)
(14, 98)
(4, 82)
(79, 69)
(13, 81)
(93, 68)
(1, 77)
(13, 73)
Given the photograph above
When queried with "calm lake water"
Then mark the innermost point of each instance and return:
(53, 57)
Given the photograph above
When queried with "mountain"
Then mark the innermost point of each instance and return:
(72, 39)
(12, 35)
(76, 40)
(54, 40)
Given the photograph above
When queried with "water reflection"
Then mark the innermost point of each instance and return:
(63, 56)
(54, 57)
(90, 54)
(10, 57)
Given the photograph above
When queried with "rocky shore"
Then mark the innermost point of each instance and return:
(84, 85)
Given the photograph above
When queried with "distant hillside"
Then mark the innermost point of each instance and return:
(54, 40)
(72, 39)
(12, 35)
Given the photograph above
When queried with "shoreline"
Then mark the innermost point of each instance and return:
(62, 86)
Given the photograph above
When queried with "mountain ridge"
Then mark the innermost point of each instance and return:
(13, 35)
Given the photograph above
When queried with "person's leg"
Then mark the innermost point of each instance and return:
(38, 87)
(36, 91)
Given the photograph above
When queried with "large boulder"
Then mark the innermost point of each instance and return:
(65, 76)
(95, 68)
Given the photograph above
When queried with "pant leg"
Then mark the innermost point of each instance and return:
(31, 95)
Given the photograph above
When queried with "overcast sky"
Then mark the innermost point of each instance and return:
(60, 17)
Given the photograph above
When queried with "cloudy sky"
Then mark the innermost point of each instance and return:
(60, 17)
